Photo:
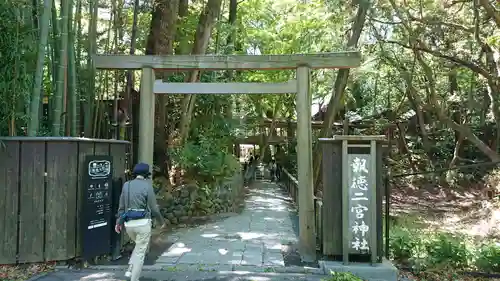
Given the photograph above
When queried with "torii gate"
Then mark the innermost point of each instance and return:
(303, 63)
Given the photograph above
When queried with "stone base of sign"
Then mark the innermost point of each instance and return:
(384, 271)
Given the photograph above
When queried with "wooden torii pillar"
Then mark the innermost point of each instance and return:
(302, 63)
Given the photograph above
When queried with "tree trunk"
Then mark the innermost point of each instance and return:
(161, 41)
(491, 11)
(272, 130)
(203, 31)
(415, 99)
(231, 38)
(452, 174)
(113, 121)
(443, 117)
(181, 38)
(339, 88)
(492, 66)
(465, 131)
(403, 147)
(455, 111)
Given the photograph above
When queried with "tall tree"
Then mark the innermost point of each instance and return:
(161, 42)
(339, 87)
(206, 23)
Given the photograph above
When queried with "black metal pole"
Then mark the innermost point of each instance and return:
(388, 193)
(387, 209)
(116, 239)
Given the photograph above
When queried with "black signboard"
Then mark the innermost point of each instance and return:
(97, 213)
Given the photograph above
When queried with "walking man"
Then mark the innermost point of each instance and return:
(273, 169)
(137, 207)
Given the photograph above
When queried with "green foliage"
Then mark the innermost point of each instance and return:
(17, 60)
(450, 250)
(207, 155)
(204, 160)
(438, 250)
(404, 244)
(488, 258)
(342, 276)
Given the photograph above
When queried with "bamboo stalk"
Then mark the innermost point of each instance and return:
(60, 89)
(72, 85)
(34, 122)
(90, 95)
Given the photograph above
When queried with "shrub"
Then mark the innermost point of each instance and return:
(206, 156)
(421, 250)
(404, 244)
(492, 182)
(342, 276)
(450, 250)
(488, 258)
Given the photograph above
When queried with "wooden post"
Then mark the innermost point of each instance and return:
(374, 169)
(146, 117)
(345, 204)
(304, 162)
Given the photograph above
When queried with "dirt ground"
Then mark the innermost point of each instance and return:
(24, 272)
(450, 209)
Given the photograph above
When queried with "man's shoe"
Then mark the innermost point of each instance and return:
(128, 273)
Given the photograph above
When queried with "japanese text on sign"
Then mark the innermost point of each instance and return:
(359, 219)
(97, 213)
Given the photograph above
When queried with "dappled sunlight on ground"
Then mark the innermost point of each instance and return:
(167, 275)
(252, 245)
(101, 276)
(254, 237)
(463, 211)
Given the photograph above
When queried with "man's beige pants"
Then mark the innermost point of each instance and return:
(141, 235)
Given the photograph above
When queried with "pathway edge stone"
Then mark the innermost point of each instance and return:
(213, 268)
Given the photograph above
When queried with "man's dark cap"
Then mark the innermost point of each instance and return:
(141, 169)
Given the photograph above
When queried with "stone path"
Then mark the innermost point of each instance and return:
(245, 247)
(253, 238)
(108, 275)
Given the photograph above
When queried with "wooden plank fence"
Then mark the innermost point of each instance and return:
(40, 196)
(291, 185)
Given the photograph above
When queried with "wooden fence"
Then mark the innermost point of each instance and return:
(40, 196)
(292, 187)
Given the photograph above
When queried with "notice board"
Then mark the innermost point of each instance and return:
(97, 214)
